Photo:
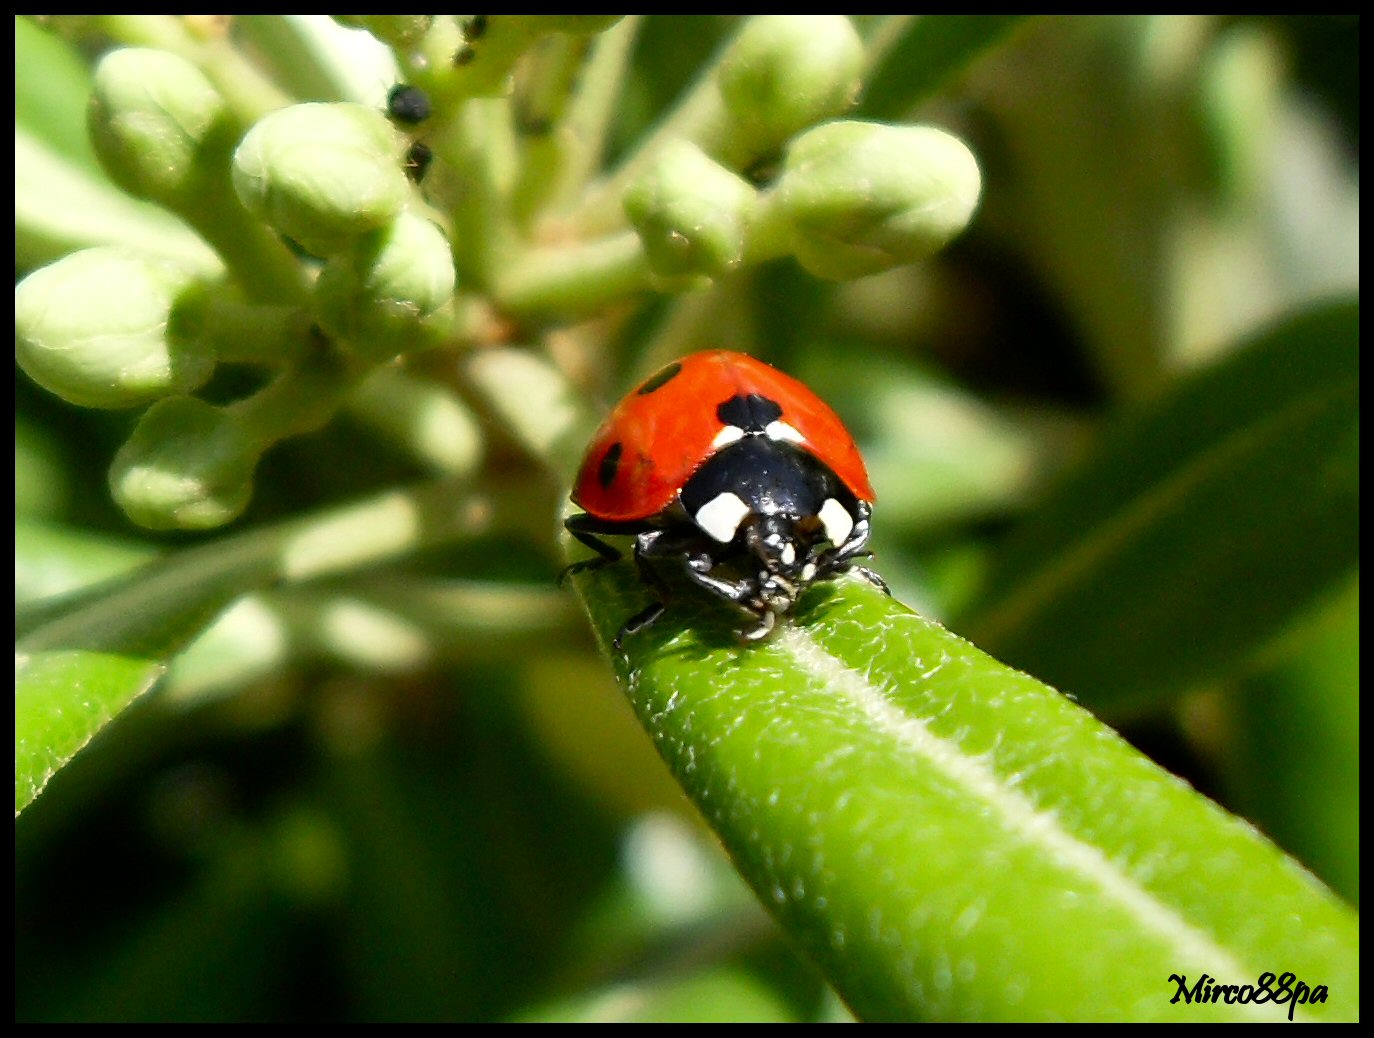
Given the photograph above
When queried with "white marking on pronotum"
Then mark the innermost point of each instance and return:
(728, 434)
(1019, 813)
(780, 430)
(720, 517)
(838, 523)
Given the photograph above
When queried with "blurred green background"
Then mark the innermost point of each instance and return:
(375, 824)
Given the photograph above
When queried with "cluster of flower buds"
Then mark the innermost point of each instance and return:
(332, 252)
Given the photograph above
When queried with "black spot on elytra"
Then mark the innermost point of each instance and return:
(610, 464)
(751, 413)
(659, 380)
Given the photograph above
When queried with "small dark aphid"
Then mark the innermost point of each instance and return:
(407, 104)
(418, 158)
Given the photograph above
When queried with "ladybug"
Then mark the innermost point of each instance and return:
(736, 471)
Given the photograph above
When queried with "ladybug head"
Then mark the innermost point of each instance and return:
(790, 551)
(773, 540)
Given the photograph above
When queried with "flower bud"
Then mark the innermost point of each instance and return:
(323, 174)
(161, 130)
(785, 72)
(374, 294)
(401, 31)
(102, 328)
(579, 24)
(865, 197)
(691, 213)
(187, 466)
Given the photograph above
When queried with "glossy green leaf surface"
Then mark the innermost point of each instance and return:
(61, 699)
(951, 839)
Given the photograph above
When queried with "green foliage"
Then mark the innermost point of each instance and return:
(1199, 530)
(303, 386)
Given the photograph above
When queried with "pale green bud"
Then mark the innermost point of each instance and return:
(401, 31)
(323, 174)
(103, 328)
(785, 72)
(374, 295)
(691, 213)
(161, 130)
(579, 24)
(865, 197)
(187, 466)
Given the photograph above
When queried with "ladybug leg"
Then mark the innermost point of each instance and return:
(744, 593)
(585, 528)
(646, 617)
(652, 544)
(648, 545)
(767, 620)
(697, 564)
(871, 577)
(854, 546)
(698, 567)
(842, 560)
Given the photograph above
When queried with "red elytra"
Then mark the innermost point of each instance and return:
(664, 430)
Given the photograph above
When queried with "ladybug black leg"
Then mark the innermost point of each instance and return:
(842, 560)
(858, 537)
(871, 577)
(585, 529)
(744, 593)
(697, 564)
(646, 617)
(648, 545)
(767, 620)
(698, 568)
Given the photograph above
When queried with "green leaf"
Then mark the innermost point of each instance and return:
(61, 699)
(951, 839)
(52, 86)
(42, 477)
(933, 49)
(1294, 763)
(723, 995)
(1204, 526)
(84, 662)
(51, 559)
(60, 207)
(939, 455)
(75, 672)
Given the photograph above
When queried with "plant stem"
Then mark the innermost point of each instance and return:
(698, 116)
(575, 278)
(593, 108)
(478, 147)
(300, 400)
(243, 334)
